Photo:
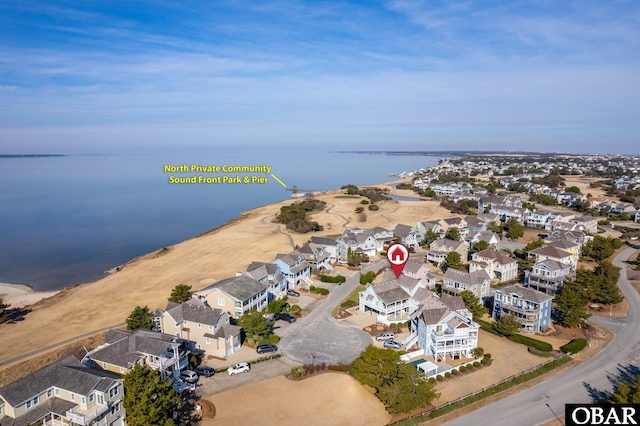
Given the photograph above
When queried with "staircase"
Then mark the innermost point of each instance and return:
(307, 280)
(410, 341)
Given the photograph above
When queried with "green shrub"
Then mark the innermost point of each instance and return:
(392, 325)
(538, 352)
(487, 326)
(462, 368)
(294, 309)
(455, 372)
(447, 374)
(476, 364)
(312, 288)
(439, 378)
(487, 356)
(538, 344)
(364, 202)
(373, 207)
(274, 338)
(349, 304)
(251, 341)
(484, 360)
(339, 367)
(432, 380)
(574, 346)
(367, 277)
(322, 291)
(338, 279)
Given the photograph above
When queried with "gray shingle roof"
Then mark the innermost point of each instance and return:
(497, 255)
(403, 230)
(195, 310)
(131, 347)
(324, 241)
(413, 265)
(51, 405)
(468, 278)
(525, 293)
(455, 303)
(241, 288)
(68, 374)
(551, 251)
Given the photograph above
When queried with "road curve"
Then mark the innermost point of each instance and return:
(579, 384)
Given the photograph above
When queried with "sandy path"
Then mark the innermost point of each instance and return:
(326, 399)
(198, 262)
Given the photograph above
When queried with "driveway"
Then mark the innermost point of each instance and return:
(580, 384)
(321, 338)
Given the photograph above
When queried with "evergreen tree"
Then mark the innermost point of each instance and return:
(430, 236)
(627, 392)
(513, 229)
(571, 304)
(494, 227)
(479, 246)
(507, 325)
(140, 317)
(452, 233)
(454, 261)
(5, 312)
(148, 399)
(473, 304)
(254, 324)
(180, 293)
(607, 279)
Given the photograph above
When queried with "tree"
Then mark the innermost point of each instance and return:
(400, 386)
(454, 261)
(139, 318)
(606, 290)
(627, 392)
(477, 352)
(276, 306)
(180, 293)
(148, 399)
(508, 325)
(452, 233)
(571, 304)
(430, 236)
(479, 246)
(600, 247)
(513, 229)
(254, 324)
(5, 312)
(494, 227)
(473, 304)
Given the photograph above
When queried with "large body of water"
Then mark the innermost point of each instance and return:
(65, 220)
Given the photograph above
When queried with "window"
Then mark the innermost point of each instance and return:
(115, 408)
(100, 399)
(210, 327)
(28, 404)
(73, 397)
(104, 365)
(122, 369)
(208, 341)
(91, 397)
(199, 325)
(49, 393)
(83, 400)
(114, 391)
(1, 410)
(57, 391)
(220, 302)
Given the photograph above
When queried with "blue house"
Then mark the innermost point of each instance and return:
(532, 308)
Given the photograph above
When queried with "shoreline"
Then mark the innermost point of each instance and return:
(21, 295)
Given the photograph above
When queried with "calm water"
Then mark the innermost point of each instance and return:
(65, 220)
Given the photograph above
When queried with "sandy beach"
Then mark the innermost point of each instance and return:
(198, 262)
(21, 295)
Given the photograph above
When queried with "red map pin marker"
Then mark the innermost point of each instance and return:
(397, 255)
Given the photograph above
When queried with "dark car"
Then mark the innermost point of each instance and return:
(285, 317)
(205, 371)
(293, 293)
(262, 349)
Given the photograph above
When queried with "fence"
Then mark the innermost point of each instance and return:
(455, 401)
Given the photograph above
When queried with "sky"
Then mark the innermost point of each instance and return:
(137, 76)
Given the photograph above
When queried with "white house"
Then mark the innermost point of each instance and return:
(548, 276)
(393, 299)
(477, 282)
(496, 263)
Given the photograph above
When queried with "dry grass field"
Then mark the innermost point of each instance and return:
(200, 261)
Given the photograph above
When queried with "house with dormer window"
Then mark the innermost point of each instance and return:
(530, 307)
(236, 295)
(548, 276)
(478, 282)
(63, 393)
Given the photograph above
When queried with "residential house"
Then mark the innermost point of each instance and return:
(409, 235)
(205, 328)
(166, 353)
(559, 255)
(443, 327)
(496, 263)
(365, 241)
(270, 275)
(538, 219)
(295, 268)
(475, 224)
(392, 300)
(63, 393)
(454, 222)
(576, 236)
(478, 282)
(330, 247)
(317, 256)
(586, 223)
(532, 308)
(417, 269)
(423, 227)
(570, 247)
(486, 203)
(491, 238)
(442, 246)
(548, 276)
(237, 295)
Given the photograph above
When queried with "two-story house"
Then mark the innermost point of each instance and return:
(439, 249)
(204, 328)
(167, 353)
(236, 295)
(538, 219)
(548, 276)
(295, 268)
(559, 255)
(532, 308)
(443, 327)
(473, 237)
(417, 269)
(496, 263)
(330, 246)
(570, 247)
(409, 236)
(317, 256)
(433, 226)
(477, 282)
(63, 393)
(391, 300)
(270, 275)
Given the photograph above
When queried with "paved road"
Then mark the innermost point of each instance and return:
(321, 335)
(582, 383)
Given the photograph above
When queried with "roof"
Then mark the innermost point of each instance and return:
(496, 255)
(240, 288)
(469, 278)
(130, 347)
(563, 244)
(324, 241)
(455, 303)
(551, 251)
(434, 315)
(444, 242)
(195, 310)
(413, 265)
(403, 230)
(51, 405)
(68, 374)
(553, 265)
(227, 330)
(525, 293)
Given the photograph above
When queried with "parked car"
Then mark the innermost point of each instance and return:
(181, 386)
(262, 349)
(240, 367)
(387, 335)
(293, 293)
(205, 371)
(189, 376)
(392, 344)
(285, 317)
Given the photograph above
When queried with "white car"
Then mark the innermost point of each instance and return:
(240, 367)
(181, 386)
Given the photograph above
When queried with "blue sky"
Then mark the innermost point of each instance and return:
(104, 77)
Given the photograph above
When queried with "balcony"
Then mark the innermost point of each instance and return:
(84, 417)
